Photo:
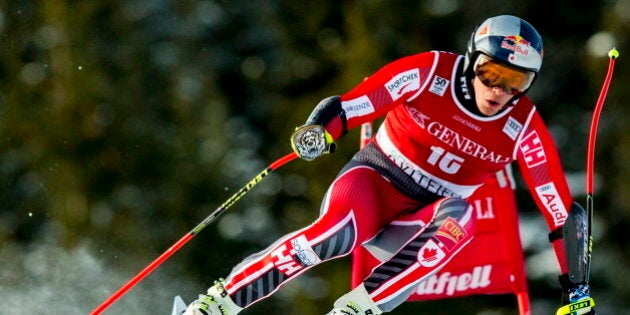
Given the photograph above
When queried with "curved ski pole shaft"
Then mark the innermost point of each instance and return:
(175, 247)
(590, 158)
(613, 54)
(582, 269)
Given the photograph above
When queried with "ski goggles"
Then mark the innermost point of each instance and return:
(494, 74)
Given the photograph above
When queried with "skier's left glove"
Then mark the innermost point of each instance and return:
(576, 298)
(311, 142)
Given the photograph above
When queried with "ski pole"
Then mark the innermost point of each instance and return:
(175, 247)
(590, 158)
(575, 307)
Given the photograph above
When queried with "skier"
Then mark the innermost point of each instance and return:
(451, 122)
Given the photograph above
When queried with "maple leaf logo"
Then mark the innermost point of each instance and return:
(429, 254)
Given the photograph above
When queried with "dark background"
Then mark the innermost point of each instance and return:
(124, 123)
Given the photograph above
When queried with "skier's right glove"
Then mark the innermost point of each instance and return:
(576, 297)
(311, 142)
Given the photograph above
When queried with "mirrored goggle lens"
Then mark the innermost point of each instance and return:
(494, 74)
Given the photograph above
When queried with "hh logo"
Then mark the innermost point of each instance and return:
(285, 262)
(532, 150)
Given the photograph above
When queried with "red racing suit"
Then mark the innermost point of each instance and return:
(428, 156)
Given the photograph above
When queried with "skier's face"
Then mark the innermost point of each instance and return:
(490, 100)
(496, 83)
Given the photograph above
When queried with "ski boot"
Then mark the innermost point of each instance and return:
(355, 302)
(215, 302)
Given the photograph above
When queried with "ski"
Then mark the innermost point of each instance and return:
(179, 307)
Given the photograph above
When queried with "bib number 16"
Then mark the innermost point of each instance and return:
(447, 162)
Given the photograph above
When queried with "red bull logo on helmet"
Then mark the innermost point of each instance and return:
(516, 43)
(516, 39)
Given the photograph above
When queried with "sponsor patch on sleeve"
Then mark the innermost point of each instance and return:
(403, 82)
(550, 198)
(512, 128)
(359, 106)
